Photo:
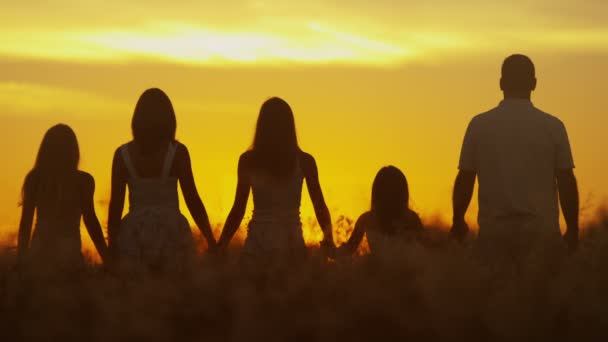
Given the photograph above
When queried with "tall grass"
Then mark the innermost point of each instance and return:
(430, 290)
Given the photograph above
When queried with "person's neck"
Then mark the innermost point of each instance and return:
(518, 96)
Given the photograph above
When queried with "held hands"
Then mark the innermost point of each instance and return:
(459, 230)
(214, 248)
(571, 238)
(328, 247)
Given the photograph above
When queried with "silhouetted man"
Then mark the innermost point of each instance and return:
(521, 157)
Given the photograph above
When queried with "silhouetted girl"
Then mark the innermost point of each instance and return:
(154, 235)
(274, 170)
(390, 220)
(60, 195)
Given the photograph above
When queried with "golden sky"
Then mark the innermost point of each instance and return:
(371, 83)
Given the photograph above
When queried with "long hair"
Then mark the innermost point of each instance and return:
(275, 145)
(390, 196)
(56, 165)
(154, 121)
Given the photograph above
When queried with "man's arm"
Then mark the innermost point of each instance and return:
(568, 199)
(463, 192)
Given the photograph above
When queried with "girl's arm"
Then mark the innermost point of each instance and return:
(417, 224)
(240, 204)
(117, 198)
(193, 200)
(90, 217)
(25, 225)
(316, 196)
(355, 237)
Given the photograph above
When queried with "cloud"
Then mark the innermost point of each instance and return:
(385, 32)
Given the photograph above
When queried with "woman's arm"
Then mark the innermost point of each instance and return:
(193, 200)
(117, 198)
(240, 204)
(90, 217)
(25, 225)
(311, 175)
(355, 237)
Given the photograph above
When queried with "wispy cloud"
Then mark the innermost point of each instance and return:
(385, 32)
(182, 43)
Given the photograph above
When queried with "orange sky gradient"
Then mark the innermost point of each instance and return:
(370, 83)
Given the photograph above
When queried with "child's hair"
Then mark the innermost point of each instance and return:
(275, 145)
(55, 167)
(154, 121)
(390, 196)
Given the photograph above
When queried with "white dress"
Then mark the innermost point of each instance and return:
(154, 234)
(275, 229)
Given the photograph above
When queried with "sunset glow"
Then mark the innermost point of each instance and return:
(371, 84)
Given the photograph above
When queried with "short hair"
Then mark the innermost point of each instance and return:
(518, 66)
(518, 73)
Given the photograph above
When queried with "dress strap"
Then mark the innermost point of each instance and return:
(169, 160)
(126, 157)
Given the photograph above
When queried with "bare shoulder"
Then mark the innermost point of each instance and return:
(365, 219)
(118, 157)
(306, 157)
(309, 164)
(182, 155)
(85, 177)
(86, 181)
(181, 148)
(246, 159)
(413, 220)
(117, 152)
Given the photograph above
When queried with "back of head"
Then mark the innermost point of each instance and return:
(56, 165)
(275, 145)
(154, 121)
(518, 76)
(390, 196)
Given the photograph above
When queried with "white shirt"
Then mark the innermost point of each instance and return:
(515, 149)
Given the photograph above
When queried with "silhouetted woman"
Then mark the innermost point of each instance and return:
(390, 219)
(274, 170)
(154, 235)
(60, 195)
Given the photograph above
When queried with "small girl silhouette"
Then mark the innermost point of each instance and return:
(390, 219)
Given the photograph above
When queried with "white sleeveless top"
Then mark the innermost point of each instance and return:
(275, 225)
(154, 232)
(152, 192)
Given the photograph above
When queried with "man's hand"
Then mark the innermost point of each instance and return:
(568, 199)
(463, 192)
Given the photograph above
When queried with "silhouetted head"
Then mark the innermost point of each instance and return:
(275, 145)
(390, 195)
(56, 163)
(154, 121)
(518, 77)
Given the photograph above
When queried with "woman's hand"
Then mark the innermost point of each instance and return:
(328, 248)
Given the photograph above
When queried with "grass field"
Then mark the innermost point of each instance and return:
(433, 290)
